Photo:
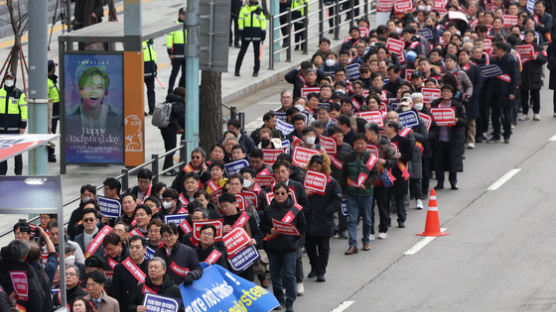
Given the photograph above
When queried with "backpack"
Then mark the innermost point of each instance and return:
(161, 115)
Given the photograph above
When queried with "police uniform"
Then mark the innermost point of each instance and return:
(299, 10)
(252, 25)
(149, 61)
(175, 44)
(53, 107)
(13, 117)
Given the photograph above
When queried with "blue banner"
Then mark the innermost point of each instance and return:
(176, 218)
(108, 207)
(244, 259)
(150, 253)
(156, 303)
(344, 206)
(285, 127)
(286, 145)
(235, 166)
(352, 71)
(489, 71)
(409, 119)
(281, 116)
(426, 33)
(220, 290)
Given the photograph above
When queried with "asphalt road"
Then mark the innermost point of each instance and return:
(498, 256)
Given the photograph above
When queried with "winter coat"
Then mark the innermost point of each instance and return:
(353, 166)
(184, 257)
(531, 75)
(405, 149)
(168, 289)
(457, 137)
(84, 9)
(472, 104)
(282, 243)
(551, 51)
(124, 284)
(320, 217)
(420, 135)
(202, 254)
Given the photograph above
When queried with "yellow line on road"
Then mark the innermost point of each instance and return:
(57, 28)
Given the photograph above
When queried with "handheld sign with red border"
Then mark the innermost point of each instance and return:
(20, 284)
(526, 51)
(384, 6)
(427, 119)
(302, 155)
(487, 45)
(252, 196)
(408, 73)
(329, 144)
(509, 20)
(265, 180)
(430, 94)
(236, 240)
(270, 155)
(199, 224)
(395, 45)
(444, 116)
(241, 203)
(285, 228)
(373, 149)
(315, 181)
(402, 6)
(372, 116)
(306, 90)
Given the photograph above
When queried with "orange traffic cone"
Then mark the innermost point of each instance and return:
(432, 227)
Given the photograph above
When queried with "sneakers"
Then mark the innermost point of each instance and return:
(523, 117)
(493, 140)
(470, 145)
(382, 235)
(536, 117)
(419, 204)
(300, 289)
(371, 237)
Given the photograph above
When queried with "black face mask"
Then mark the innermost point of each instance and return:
(265, 142)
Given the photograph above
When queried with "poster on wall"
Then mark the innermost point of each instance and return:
(93, 108)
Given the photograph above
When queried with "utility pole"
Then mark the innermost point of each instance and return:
(38, 95)
(192, 77)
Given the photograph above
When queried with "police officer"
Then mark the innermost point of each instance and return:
(53, 107)
(175, 43)
(13, 117)
(149, 60)
(252, 25)
(298, 11)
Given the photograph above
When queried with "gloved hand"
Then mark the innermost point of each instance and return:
(188, 280)
(263, 36)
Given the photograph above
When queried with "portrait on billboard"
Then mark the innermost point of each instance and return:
(93, 108)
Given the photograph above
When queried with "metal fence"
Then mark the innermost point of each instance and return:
(340, 7)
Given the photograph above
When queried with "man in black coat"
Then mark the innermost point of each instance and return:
(208, 251)
(472, 104)
(503, 90)
(126, 277)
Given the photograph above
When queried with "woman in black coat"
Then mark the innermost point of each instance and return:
(320, 217)
(531, 78)
(551, 51)
(448, 142)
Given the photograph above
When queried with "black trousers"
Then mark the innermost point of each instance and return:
(234, 38)
(347, 6)
(149, 81)
(284, 21)
(177, 64)
(18, 170)
(55, 116)
(501, 114)
(554, 101)
(256, 52)
(318, 250)
(425, 181)
(443, 153)
(399, 201)
(484, 119)
(342, 220)
(170, 141)
(415, 190)
(380, 194)
(535, 96)
(299, 261)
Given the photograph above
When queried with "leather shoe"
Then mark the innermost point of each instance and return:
(439, 187)
(351, 250)
(321, 279)
(366, 246)
(455, 187)
(312, 274)
(255, 74)
(401, 225)
(236, 74)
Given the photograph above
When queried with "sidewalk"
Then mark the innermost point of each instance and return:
(233, 88)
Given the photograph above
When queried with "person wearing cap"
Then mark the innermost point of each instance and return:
(448, 142)
(252, 26)
(53, 107)
(175, 45)
(13, 117)
(414, 42)
(417, 81)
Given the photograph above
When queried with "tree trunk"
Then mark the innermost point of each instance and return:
(16, 27)
(210, 109)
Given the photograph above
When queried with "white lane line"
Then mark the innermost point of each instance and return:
(421, 244)
(553, 138)
(496, 185)
(342, 307)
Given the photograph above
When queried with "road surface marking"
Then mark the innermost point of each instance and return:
(496, 185)
(553, 138)
(342, 307)
(421, 244)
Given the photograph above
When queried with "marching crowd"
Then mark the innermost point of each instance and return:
(363, 127)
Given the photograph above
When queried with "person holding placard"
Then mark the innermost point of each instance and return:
(208, 251)
(448, 142)
(130, 273)
(531, 78)
(280, 248)
(320, 217)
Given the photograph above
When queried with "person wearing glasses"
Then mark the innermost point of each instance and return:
(124, 281)
(90, 231)
(280, 248)
(208, 251)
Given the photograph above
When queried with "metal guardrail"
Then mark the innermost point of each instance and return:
(234, 114)
(365, 7)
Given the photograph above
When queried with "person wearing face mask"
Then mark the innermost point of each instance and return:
(252, 26)
(13, 117)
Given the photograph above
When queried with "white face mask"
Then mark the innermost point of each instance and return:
(300, 107)
(70, 260)
(428, 8)
(421, 7)
(9, 83)
(310, 140)
(404, 108)
(247, 183)
(418, 106)
(330, 62)
(86, 199)
(166, 205)
(398, 30)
